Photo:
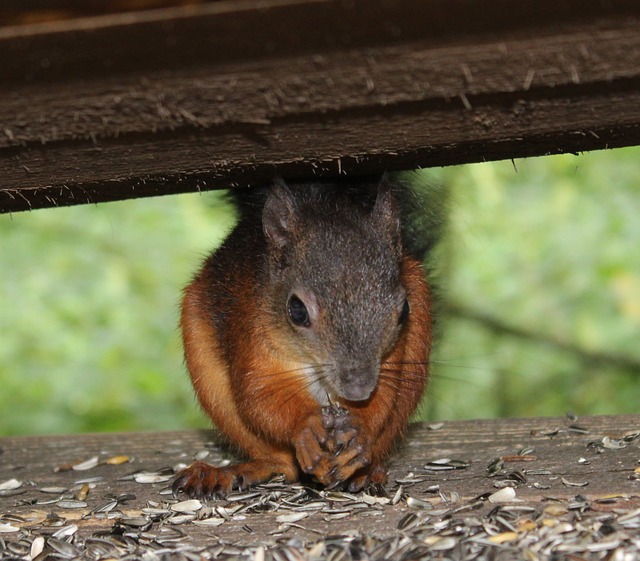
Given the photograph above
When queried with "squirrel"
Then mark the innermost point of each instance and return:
(307, 335)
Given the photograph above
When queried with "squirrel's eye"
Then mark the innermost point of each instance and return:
(298, 312)
(404, 314)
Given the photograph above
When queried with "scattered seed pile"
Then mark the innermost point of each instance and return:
(413, 518)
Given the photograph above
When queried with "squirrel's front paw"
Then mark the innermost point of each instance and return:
(353, 447)
(315, 446)
(332, 446)
(203, 481)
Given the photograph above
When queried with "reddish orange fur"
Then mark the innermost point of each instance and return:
(247, 376)
(259, 409)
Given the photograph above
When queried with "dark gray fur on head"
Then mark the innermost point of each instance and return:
(338, 249)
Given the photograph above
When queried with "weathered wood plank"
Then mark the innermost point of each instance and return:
(561, 458)
(182, 99)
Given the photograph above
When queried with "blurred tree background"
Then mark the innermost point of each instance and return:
(538, 274)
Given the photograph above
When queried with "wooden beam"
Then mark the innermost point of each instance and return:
(232, 93)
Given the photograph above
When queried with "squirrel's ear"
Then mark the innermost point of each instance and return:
(386, 209)
(279, 215)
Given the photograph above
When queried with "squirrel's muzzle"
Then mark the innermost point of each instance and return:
(358, 383)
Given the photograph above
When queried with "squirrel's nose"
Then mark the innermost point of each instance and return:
(358, 383)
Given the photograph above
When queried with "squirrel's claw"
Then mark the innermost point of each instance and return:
(332, 447)
(203, 481)
(371, 479)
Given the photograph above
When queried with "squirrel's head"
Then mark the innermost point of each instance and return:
(334, 256)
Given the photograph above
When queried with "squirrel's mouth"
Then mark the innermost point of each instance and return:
(359, 383)
(355, 384)
(357, 392)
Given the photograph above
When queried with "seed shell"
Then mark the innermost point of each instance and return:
(117, 460)
(293, 517)
(503, 495)
(10, 485)
(150, 477)
(71, 504)
(53, 490)
(186, 506)
(37, 547)
(213, 521)
(86, 465)
(568, 483)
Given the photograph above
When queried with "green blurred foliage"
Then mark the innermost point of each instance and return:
(548, 245)
(89, 299)
(89, 322)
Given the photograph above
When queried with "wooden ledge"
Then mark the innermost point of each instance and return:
(576, 489)
(231, 93)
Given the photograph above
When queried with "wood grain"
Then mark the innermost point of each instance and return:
(556, 448)
(231, 93)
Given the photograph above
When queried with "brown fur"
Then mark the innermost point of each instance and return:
(246, 373)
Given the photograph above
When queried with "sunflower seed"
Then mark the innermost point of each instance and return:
(373, 500)
(517, 476)
(66, 531)
(408, 521)
(549, 432)
(63, 548)
(568, 483)
(294, 517)
(236, 497)
(87, 464)
(441, 544)
(150, 477)
(53, 490)
(338, 515)
(502, 483)
(10, 485)
(181, 519)
(495, 466)
(214, 521)
(445, 464)
(418, 503)
(577, 429)
(71, 504)
(105, 507)
(89, 480)
(186, 506)
(156, 511)
(411, 478)
(37, 546)
(117, 460)
(503, 495)
(82, 493)
(537, 472)
(136, 521)
(201, 455)
(614, 443)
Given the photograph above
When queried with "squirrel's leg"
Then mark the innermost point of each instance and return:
(210, 377)
(204, 481)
